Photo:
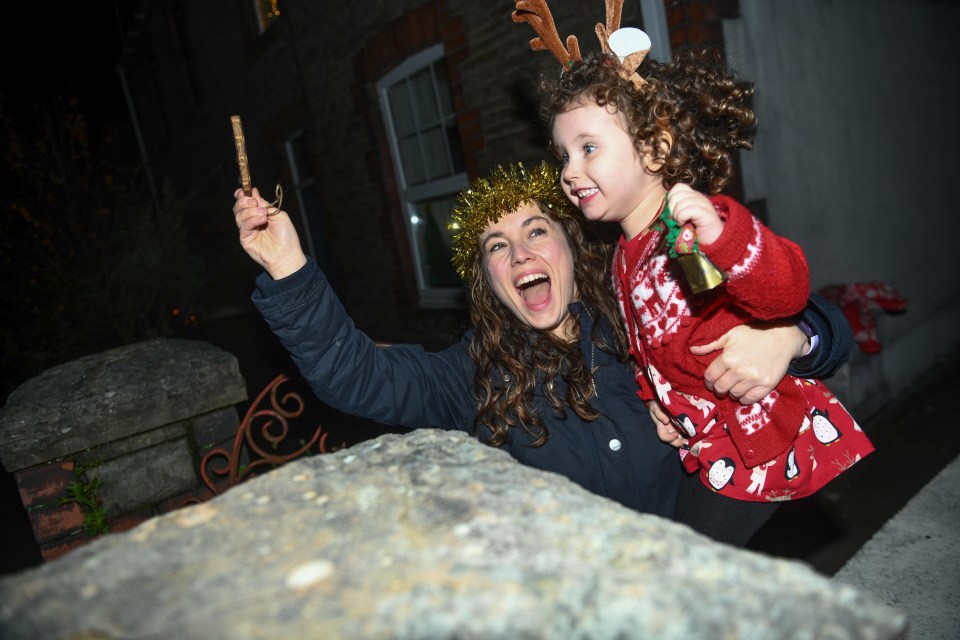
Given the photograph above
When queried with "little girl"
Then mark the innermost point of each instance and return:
(631, 138)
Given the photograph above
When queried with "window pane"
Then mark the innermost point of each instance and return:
(421, 85)
(428, 156)
(435, 154)
(318, 237)
(443, 88)
(311, 203)
(434, 241)
(403, 121)
(300, 158)
(456, 149)
(413, 170)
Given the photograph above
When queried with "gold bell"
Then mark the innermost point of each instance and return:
(701, 274)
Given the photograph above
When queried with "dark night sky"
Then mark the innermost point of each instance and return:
(65, 49)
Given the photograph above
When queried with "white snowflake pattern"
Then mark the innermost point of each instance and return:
(751, 254)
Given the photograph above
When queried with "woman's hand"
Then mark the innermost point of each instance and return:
(267, 235)
(754, 359)
(666, 431)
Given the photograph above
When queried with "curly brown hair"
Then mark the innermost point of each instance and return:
(511, 357)
(695, 104)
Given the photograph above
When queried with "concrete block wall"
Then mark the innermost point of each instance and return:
(854, 158)
(131, 424)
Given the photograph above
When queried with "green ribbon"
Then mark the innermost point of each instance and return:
(672, 229)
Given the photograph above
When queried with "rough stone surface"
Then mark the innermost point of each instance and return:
(216, 426)
(114, 394)
(126, 446)
(424, 535)
(145, 477)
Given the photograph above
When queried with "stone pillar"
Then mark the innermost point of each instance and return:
(122, 431)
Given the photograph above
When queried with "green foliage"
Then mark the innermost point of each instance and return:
(91, 259)
(86, 494)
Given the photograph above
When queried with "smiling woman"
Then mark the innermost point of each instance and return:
(527, 257)
(517, 231)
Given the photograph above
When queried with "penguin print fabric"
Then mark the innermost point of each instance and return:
(828, 442)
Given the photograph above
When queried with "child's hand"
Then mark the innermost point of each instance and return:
(687, 205)
(665, 429)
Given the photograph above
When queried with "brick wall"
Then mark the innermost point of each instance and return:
(698, 20)
(316, 70)
(60, 524)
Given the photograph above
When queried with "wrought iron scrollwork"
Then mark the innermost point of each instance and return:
(260, 440)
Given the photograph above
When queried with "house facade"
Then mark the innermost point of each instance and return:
(372, 115)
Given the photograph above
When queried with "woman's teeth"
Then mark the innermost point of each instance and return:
(527, 279)
(530, 281)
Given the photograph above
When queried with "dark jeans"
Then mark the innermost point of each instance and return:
(721, 518)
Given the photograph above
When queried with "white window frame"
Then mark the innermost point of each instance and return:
(411, 195)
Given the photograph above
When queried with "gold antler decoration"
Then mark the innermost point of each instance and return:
(614, 11)
(538, 16)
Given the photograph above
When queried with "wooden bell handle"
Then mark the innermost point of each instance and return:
(242, 162)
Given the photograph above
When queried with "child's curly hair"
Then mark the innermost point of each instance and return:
(695, 104)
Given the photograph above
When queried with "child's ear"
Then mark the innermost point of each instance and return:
(654, 162)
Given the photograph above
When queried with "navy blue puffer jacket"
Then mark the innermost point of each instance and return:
(617, 456)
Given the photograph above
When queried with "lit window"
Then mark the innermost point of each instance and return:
(428, 159)
(267, 11)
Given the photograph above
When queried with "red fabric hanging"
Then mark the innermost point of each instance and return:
(862, 303)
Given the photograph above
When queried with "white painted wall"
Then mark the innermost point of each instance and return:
(857, 157)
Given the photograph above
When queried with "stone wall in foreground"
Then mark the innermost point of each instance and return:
(425, 535)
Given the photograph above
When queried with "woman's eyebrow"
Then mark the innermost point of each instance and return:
(537, 218)
(526, 223)
(492, 234)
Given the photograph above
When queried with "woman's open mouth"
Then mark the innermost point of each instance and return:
(534, 288)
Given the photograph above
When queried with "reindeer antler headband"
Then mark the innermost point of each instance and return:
(629, 45)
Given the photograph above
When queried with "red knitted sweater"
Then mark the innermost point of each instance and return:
(767, 278)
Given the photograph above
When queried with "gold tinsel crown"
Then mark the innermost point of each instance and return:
(503, 191)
